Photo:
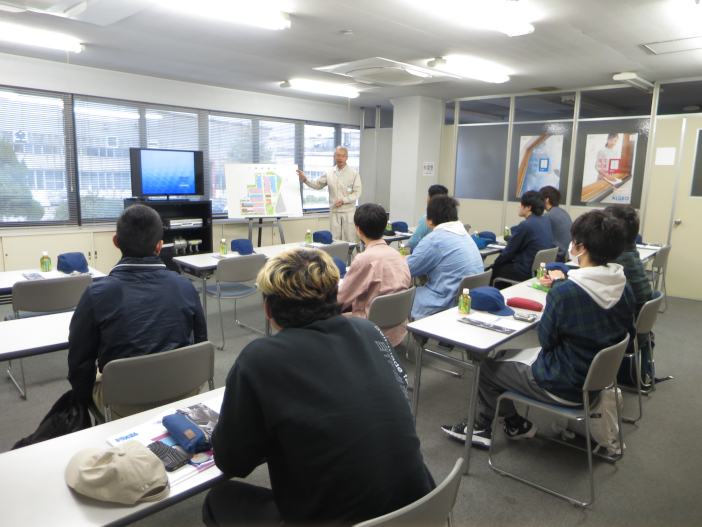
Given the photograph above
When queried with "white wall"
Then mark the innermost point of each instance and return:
(24, 72)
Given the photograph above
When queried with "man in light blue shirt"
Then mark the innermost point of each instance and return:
(422, 230)
(445, 255)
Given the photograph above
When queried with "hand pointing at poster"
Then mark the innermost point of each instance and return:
(301, 175)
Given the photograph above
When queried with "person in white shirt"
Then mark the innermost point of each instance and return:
(344, 189)
(604, 158)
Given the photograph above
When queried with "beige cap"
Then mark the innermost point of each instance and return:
(125, 474)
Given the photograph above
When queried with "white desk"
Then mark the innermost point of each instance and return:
(10, 278)
(273, 250)
(34, 336)
(479, 343)
(646, 253)
(34, 492)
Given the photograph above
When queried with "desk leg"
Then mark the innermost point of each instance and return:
(204, 295)
(471, 415)
(418, 349)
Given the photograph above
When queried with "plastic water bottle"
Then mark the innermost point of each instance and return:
(308, 236)
(542, 271)
(403, 250)
(45, 262)
(464, 303)
(223, 249)
(477, 233)
(506, 233)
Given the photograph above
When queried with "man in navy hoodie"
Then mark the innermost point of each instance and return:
(533, 235)
(139, 309)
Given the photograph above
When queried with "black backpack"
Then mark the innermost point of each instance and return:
(66, 416)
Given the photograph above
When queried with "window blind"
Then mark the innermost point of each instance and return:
(35, 172)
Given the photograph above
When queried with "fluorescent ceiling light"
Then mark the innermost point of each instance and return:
(38, 37)
(511, 17)
(632, 79)
(325, 88)
(266, 14)
(471, 68)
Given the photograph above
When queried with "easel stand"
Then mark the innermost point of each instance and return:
(260, 225)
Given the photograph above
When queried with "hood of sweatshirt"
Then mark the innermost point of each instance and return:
(604, 283)
(455, 227)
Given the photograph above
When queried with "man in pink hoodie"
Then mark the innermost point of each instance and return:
(379, 270)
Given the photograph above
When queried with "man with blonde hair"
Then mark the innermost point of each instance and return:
(344, 189)
(324, 402)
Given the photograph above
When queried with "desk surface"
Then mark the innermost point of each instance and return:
(445, 326)
(645, 253)
(36, 493)
(10, 278)
(34, 336)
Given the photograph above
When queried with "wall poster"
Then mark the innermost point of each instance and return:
(539, 162)
(609, 168)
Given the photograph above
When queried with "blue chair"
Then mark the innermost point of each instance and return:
(602, 375)
(230, 274)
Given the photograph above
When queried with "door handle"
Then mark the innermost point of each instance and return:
(678, 222)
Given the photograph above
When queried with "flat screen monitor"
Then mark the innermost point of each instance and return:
(166, 172)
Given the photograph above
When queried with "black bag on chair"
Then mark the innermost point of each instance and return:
(66, 416)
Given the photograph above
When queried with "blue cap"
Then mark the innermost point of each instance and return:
(242, 246)
(399, 226)
(322, 237)
(341, 265)
(70, 262)
(489, 235)
(481, 243)
(489, 299)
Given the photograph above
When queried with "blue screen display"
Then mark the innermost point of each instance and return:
(164, 173)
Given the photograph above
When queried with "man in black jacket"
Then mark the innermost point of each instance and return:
(324, 402)
(139, 309)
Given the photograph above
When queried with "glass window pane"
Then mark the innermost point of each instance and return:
(680, 98)
(32, 158)
(276, 142)
(696, 190)
(171, 130)
(484, 111)
(318, 160)
(104, 134)
(231, 141)
(351, 140)
(480, 162)
(617, 102)
(544, 107)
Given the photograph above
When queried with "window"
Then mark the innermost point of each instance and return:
(231, 141)
(318, 160)
(276, 142)
(351, 140)
(32, 157)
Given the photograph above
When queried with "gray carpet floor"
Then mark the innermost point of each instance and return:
(656, 483)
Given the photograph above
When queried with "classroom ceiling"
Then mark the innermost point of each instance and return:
(576, 43)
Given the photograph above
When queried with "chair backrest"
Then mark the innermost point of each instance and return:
(388, 311)
(544, 256)
(430, 511)
(467, 227)
(474, 280)
(336, 250)
(649, 313)
(661, 257)
(159, 377)
(53, 294)
(240, 268)
(605, 366)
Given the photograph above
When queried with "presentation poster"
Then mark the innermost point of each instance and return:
(609, 168)
(539, 162)
(262, 190)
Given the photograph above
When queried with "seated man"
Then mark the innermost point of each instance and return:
(446, 256)
(422, 230)
(587, 312)
(534, 234)
(139, 309)
(559, 219)
(324, 402)
(379, 270)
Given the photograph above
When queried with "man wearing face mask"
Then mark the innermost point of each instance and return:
(590, 310)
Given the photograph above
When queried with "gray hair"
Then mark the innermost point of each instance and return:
(342, 148)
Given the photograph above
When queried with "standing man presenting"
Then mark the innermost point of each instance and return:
(344, 189)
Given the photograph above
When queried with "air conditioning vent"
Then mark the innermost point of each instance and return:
(386, 72)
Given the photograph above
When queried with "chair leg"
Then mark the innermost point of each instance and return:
(244, 325)
(637, 365)
(589, 447)
(418, 352)
(450, 519)
(663, 290)
(23, 389)
(221, 319)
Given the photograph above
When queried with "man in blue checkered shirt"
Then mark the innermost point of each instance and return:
(589, 311)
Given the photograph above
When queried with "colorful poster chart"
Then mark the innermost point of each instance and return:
(539, 162)
(255, 191)
(609, 168)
